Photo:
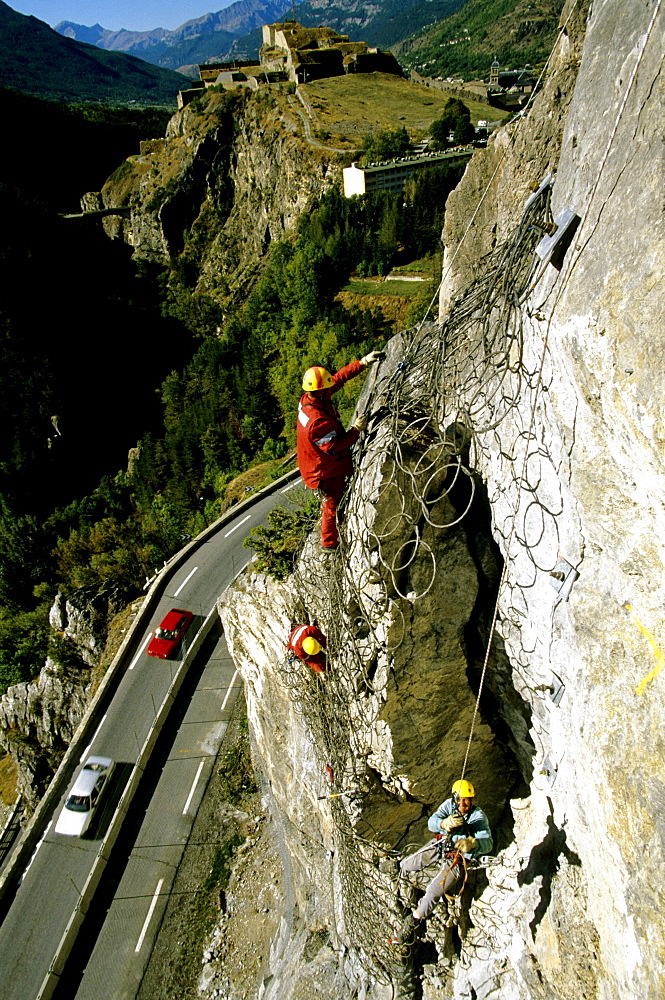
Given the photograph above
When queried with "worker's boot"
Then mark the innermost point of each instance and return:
(390, 866)
(409, 930)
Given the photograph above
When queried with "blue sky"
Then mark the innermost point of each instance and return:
(136, 15)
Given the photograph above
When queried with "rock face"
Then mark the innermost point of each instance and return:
(504, 537)
(38, 719)
(230, 176)
(486, 206)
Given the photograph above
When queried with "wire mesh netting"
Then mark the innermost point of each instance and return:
(432, 414)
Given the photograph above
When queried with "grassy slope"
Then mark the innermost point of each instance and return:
(348, 107)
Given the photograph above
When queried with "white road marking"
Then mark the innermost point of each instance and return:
(237, 526)
(287, 488)
(86, 752)
(149, 917)
(34, 853)
(228, 693)
(193, 788)
(186, 580)
(140, 652)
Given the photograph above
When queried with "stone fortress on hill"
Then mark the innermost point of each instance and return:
(295, 54)
(305, 54)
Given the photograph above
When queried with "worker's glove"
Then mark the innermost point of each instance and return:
(361, 421)
(372, 357)
(465, 844)
(451, 823)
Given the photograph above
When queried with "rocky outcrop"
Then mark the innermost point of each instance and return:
(38, 718)
(504, 539)
(231, 176)
(486, 206)
(422, 698)
(37, 722)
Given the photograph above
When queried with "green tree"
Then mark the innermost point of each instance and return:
(385, 145)
(24, 638)
(464, 132)
(278, 545)
(453, 113)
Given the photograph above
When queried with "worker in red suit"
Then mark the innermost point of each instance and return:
(322, 443)
(309, 643)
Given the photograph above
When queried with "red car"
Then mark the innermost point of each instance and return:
(169, 635)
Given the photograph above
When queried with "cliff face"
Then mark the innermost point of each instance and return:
(592, 493)
(38, 719)
(486, 206)
(504, 539)
(230, 176)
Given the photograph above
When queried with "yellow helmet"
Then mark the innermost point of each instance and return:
(464, 789)
(311, 646)
(317, 378)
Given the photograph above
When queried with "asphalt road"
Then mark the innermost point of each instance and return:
(47, 896)
(124, 941)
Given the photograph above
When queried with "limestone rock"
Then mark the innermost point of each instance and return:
(38, 718)
(236, 173)
(559, 560)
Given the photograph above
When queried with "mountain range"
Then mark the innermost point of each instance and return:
(201, 39)
(234, 32)
(37, 60)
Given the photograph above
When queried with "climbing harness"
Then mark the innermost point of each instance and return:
(454, 877)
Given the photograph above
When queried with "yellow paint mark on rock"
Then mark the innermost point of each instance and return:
(657, 652)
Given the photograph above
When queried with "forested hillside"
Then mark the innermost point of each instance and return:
(515, 32)
(71, 312)
(128, 354)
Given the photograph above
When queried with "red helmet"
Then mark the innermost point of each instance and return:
(317, 378)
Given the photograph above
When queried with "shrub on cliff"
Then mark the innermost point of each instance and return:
(277, 546)
(24, 637)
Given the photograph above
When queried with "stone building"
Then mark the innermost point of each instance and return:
(306, 54)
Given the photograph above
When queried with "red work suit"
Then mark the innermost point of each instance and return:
(317, 661)
(324, 449)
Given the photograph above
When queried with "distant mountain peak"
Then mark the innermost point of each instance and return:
(36, 59)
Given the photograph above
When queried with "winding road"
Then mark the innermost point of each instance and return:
(33, 946)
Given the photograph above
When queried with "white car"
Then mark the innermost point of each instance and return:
(84, 797)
